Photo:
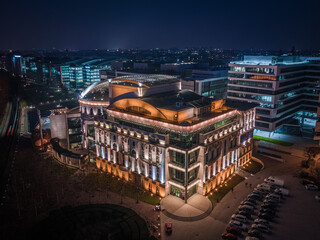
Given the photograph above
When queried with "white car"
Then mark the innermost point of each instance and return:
(312, 187)
(317, 197)
(261, 221)
(238, 224)
(239, 218)
(260, 227)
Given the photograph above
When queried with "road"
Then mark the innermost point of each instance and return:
(9, 140)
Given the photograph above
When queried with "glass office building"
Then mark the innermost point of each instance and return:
(286, 89)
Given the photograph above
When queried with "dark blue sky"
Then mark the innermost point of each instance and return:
(237, 24)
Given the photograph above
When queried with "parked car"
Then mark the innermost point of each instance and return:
(245, 202)
(234, 230)
(246, 208)
(244, 213)
(261, 221)
(317, 197)
(282, 191)
(269, 205)
(239, 218)
(239, 225)
(268, 210)
(260, 191)
(274, 196)
(250, 200)
(255, 197)
(312, 187)
(257, 192)
(157, 207)
(274, 180)
(228, 236)
(266, 216)
(264, 186)
(306, 181)
(254, 233)
(168, 227)
(251, 238)
(260, 227)
(270, 200)
(263, 191)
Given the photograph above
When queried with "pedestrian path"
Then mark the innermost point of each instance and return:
(197, 207)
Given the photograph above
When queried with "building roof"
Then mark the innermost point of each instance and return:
(144, 79)
(98, 91)
(240, 105)
(176, 100)
(275, 60)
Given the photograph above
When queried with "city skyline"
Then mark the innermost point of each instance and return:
(65, 25)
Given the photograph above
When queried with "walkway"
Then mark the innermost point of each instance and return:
(197, 207)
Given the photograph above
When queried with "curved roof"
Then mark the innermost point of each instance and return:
(98, 91)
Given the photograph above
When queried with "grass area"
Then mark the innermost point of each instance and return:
(252, 167)
(59, 168)
(275, 141)
(224, 189)
(110, 183)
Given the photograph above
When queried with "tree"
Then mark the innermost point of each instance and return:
(311, 153)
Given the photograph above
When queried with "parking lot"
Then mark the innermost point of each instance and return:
(297, 218)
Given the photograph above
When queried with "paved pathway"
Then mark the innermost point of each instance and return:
(198, 207)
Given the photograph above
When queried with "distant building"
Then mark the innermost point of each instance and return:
(176, 68)
(146, 130)
(122, 65)
(208, 83)
(286, 89)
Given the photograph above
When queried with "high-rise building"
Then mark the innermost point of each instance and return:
(145, 129)
(72, 76)
(91, 74)
(286, 89)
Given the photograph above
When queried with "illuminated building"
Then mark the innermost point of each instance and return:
(286, 89)
(145, 129)
(65, 126)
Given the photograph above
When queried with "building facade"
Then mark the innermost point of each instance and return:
(208, 83)
(286, 89)
(146, 130)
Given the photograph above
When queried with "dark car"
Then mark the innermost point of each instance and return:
(244, 213)
(266, 216)
(234, 230)
(168, 227)
(268, 210)
(248, 203)
(228, 236)
(250, 200)
(257, 192)
(269, 205)
(306, 181)
(254, 233)
(244, 209)
(255, 197)
(270, 200)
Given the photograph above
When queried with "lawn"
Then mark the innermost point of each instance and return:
(108, 182)
(252, 167)
(275, 141)
(224, 189)
(60, 169)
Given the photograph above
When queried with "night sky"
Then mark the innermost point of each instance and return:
(236, 24)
